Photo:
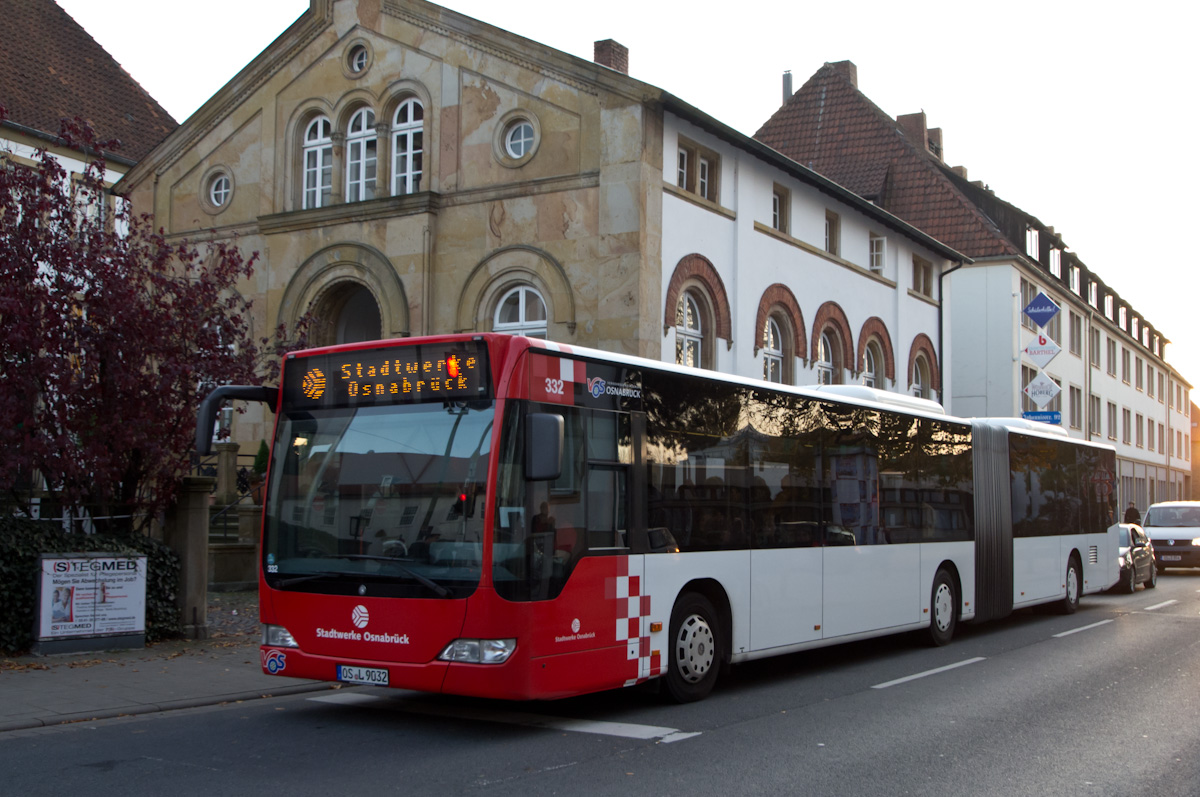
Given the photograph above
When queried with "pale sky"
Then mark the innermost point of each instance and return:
(1082, 114)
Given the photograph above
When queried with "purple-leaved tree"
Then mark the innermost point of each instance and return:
(109, 337)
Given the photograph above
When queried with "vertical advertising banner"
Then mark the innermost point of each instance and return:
(89, 595)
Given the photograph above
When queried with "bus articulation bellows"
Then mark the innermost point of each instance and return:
(511, 518)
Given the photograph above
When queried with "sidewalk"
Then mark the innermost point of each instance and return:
(36, 691)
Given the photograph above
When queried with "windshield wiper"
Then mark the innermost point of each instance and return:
(437, 588)
(287, 582)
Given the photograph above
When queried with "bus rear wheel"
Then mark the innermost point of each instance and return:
(696, 649)
(1070, 601)
(943, 609)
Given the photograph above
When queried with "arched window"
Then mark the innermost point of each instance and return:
(318, 163)
(920, 377)
(408, 147)
(358, 319)
(829, 359)
(772, 352)
(361, 147)
(689, 331)
(872, 375)
(521, 311)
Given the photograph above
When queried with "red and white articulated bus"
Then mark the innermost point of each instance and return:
(511, 518)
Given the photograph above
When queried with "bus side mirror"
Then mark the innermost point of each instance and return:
(543, 446)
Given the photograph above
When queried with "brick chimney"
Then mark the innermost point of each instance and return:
(913, 125)
(847, 69)
(612, 54)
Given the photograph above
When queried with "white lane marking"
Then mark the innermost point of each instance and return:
(908, 678)
(1082, 628)
(1159, 605)
(625, 730)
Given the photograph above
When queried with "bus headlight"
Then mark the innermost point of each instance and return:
(479, 651)
(278, 637)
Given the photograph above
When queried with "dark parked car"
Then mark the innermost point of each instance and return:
(1136, 556)
(1174, 527)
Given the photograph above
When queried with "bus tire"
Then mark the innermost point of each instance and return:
(1070, 600)
(696, 649)
(943, 609)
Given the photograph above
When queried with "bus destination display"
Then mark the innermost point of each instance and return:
(394, 375)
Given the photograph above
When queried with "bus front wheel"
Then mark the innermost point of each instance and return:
(695, 655)
(943, 609)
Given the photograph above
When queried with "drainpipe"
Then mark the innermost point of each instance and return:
(941, 335)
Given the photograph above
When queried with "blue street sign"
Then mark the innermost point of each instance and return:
(1044, 417)
(1041, 309)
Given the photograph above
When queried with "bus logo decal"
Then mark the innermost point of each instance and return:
(360, 616)
(274, 661)
(596, 386)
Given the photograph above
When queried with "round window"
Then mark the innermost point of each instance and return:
(518, 140)
(357, 59)
(219, 189)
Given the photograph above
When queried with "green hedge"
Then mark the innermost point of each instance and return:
(21, 541)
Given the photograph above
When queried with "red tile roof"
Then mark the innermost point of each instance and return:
(831, 127)
(50, 68)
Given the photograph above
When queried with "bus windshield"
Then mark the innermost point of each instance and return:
(386, 499)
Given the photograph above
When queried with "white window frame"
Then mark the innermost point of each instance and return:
(408, 147)
(362, 152)
(528, 301)
(773, 352)
(318, 163)
(878, 252)
(689, 331)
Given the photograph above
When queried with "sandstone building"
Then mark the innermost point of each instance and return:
(406, 170)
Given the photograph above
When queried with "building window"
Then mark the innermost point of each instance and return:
(923, 276)
(1094, 415)
(1075, 282)
(878, 252)
(1056, 262)
(219, 189)
(1108, 307)
(1162, 440)
(1112, 421)
(1094, 295)
(697, 170)
(920, 377)
(1150, 434)
(1027, 375)
(1149, 380)
(318, 163)
(1032, 244)
(689, 331)
(1140, 435)
(872, 375)
(1076, 336)
(1137, 373)
(833, 232)
(1125, 375)
(408, 147)
(1094, 347)
(1123, 317)
(521, 311)
(1076, 407)
(518, 139)
(361, 147)
(1112, 357)
(1134, 325)
(358, 58)
(829, 358)
(1126, 426)
(1028, 291)
(772, 352)
(780, 208)
(1161, 398)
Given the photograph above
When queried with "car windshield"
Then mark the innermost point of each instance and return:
(1173, 516)
(390, 495)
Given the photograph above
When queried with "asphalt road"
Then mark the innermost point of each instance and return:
(1102, 702)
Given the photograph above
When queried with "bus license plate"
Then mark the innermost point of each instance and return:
(1167, 557)
(362, 675)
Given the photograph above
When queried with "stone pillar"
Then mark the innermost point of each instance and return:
(226, 474)
(186, 532)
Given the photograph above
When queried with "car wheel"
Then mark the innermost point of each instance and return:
(1070, 600)
(1152, 580)
(943, 609)
(695, 656)
(1130, 580)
